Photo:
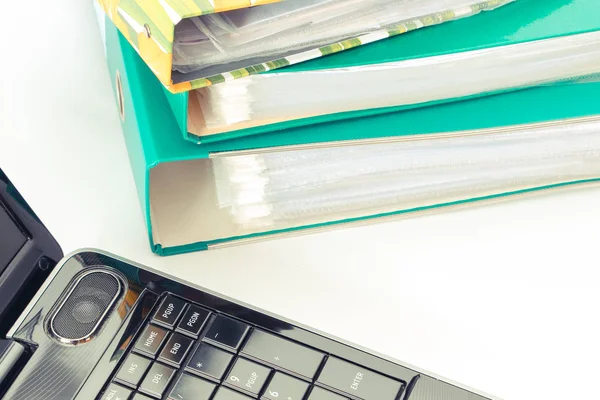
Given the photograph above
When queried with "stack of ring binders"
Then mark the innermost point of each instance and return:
(247, 120)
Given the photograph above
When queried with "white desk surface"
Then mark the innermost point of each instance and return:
(502, 298)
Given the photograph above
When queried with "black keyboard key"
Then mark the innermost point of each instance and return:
(285, 387)
(322, 394)
(193, 321)
(132, 370)
(248, 376)
(189, 387)
(114, 392)
(156, 381)
(227, 394)
(175, 350)
(357, 381)
(169, 311)
(139, 396)
(283, 354)
(209, 361)
(226, 333)
(150, 340)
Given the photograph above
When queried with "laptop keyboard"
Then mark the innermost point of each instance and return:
(187, 352)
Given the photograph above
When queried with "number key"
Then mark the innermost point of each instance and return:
(248, 376)
(283, 387)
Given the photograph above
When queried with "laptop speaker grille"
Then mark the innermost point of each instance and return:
(84, 307)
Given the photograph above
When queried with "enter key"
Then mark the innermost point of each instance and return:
(357, 382)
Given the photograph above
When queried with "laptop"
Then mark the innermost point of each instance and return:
(93, 326)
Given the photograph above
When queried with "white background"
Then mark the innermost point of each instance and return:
(503, 298)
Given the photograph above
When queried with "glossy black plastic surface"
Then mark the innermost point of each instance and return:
(12, 239)
(29, 252)
(83, 371)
